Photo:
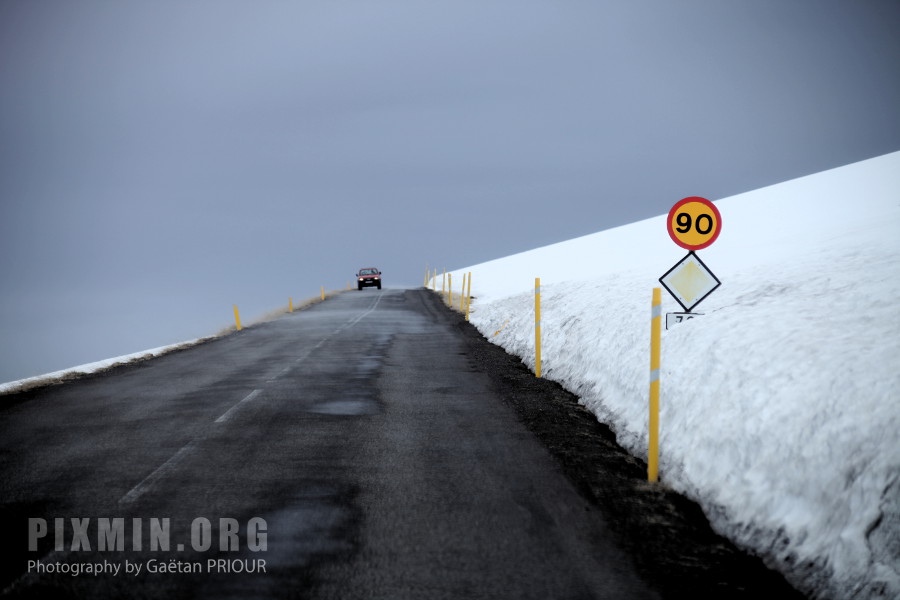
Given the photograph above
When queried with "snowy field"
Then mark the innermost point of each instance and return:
(780, 406)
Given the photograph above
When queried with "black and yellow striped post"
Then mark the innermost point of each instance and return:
(537, 326)
(655, 342)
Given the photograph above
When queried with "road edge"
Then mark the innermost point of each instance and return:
(668, 536)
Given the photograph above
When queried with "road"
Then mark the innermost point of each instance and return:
(355, 447)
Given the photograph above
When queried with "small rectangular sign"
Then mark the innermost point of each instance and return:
(673, 319)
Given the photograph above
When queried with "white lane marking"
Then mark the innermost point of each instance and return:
(148, 481)
(227, 414)
(138, 490)
(352, 322)
(306, 354)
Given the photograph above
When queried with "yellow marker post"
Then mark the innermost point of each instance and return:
(290, 305)
(450, 290)
(655, 343)
(323, 292)
(237, 318)
(469, 297)
(426, 275)
(537, 326)
(434, 281)
(505, 323)
(444, 282)
(462, 293)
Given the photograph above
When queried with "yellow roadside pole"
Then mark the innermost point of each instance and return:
(237, 318)
(537, 326)
(434, 281)
(290, 305)
(323, 292)
(469, 297)
(462, 294)
(505, 323)
(655, 342)
(444, 282)
(450, 290)
(426, 275)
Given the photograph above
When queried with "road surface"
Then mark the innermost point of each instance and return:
(351, 450)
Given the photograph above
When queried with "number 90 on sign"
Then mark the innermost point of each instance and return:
(694, 223)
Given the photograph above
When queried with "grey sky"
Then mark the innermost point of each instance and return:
(161, 161)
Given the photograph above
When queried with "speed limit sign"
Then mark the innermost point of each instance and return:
(694, 223)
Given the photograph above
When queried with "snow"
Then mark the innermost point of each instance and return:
(779, 406)
(93, 367)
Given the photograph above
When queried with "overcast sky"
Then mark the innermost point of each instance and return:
(163, 160)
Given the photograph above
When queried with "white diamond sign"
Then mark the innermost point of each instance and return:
(690, 281)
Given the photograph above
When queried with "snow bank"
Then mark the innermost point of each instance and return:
(780, 411)
(94, 367)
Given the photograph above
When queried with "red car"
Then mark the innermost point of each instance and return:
(368, 277)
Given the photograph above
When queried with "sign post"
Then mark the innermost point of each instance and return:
(693, 223)
(537, 326)
(655, 335)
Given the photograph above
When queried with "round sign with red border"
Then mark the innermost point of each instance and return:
(694, 223)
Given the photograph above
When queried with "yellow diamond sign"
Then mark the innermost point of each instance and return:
(690, 281)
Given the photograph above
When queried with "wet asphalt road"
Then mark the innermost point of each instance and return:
(377, 454)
